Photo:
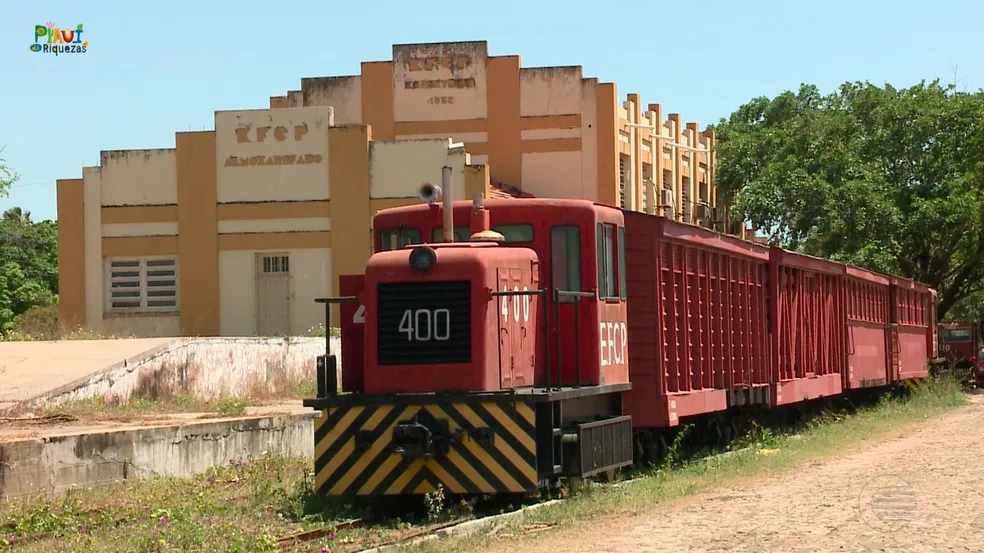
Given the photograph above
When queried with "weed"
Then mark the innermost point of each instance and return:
(434, 501)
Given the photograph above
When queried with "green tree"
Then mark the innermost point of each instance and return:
(32, 246)
(28, 258)
(888, 179)
(18, 293)
(7, 176)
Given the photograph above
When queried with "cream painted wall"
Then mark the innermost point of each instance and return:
(139, 177)
(310, 278)
(456, 137)
(290, 134)
(549, 91)
(589, 140)
(428, 70)
(140, 229)
(307, 224)
(147, 326)
(92, 240)
(553, 175)
(343, 94)
(397, 168)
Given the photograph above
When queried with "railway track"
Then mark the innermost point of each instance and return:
(698, 444)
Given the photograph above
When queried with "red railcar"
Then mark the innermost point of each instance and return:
(866, 298)
(697, 320)
(912, 331)
(808, 346)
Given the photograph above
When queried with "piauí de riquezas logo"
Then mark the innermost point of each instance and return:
(49, 39)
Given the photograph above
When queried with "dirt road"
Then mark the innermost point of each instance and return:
(922, 493)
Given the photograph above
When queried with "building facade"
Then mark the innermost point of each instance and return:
(547, 131)
(235, 231)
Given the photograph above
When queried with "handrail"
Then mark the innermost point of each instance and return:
(328, 373)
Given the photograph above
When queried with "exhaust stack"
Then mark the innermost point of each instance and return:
(480, 225)
(448, 210)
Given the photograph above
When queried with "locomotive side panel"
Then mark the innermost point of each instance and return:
(517, 326)
(352, 329)
(808, 339)
(866, 305)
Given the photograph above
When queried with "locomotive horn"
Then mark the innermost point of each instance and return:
(429, 193)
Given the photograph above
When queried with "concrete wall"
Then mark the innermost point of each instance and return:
(205, 368)
(53, 464)
(269, 155)
(310, 278)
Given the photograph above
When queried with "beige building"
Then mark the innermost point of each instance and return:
(235, 231)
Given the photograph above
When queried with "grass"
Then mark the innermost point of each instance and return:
(249, 506)
(101, 409)
(142, 408)
(770, 453)
(244, 507)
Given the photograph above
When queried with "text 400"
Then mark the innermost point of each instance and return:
(424, 325)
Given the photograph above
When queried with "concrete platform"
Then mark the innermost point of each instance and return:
(45, 457)
(41, 374)
(30, 369)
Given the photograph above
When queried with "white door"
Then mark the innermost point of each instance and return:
(273, 294)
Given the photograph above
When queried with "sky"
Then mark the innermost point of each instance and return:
(153, 69)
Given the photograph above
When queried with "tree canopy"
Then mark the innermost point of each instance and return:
(889, 179)
(28, 259)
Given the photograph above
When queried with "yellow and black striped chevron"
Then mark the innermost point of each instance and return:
(491, 448)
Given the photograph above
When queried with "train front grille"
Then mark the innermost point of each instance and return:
(423, 323)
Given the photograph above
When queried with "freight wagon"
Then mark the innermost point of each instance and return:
(561, 339)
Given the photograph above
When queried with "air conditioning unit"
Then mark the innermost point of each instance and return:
(717, 214)
(667, 200)
(702, 211)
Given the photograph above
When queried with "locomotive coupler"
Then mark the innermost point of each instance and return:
(423, 436)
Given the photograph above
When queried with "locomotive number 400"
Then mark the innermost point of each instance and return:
(424, 325)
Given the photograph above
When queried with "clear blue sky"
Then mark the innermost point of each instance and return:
(153, 69)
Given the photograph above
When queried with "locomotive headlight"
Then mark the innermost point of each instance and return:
(422, 259)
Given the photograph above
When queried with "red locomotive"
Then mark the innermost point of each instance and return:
(560, 338)
(961, 345)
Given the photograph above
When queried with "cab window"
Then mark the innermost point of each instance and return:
(956, 334)
(565, 259)
(397, 238)
(522, 232)
(461, 234)
(611, 283)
